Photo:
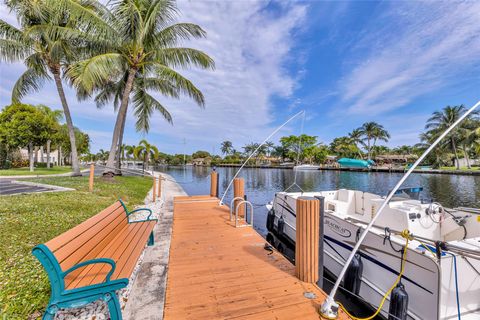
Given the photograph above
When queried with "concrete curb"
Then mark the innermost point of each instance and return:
(68, 174)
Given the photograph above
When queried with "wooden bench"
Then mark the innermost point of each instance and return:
(94, 259)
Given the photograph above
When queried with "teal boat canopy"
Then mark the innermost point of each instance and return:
(355, 163)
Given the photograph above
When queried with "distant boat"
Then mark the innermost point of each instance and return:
(306, 167)
(355, 163)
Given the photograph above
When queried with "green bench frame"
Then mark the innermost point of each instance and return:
(61, 298)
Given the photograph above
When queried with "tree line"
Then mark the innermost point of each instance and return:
(363, 143)
(118, 54)
(24, 126)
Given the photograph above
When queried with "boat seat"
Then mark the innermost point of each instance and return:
(343, 204)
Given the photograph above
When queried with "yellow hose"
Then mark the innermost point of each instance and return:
(407, 235)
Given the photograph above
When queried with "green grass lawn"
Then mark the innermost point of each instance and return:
(28, 220)
(38, 171)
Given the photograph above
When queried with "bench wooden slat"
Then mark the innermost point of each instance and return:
(128, 263)
(96, 253)
(69, 235)
(88, 274)
(89, 243)
(127, 253)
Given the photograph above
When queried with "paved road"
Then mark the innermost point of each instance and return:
(9, 187)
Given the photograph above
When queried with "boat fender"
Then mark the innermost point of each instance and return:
(353, 276)
(270, 220)
(398, 303)
(281, 225)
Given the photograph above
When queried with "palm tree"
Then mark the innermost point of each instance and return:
(226, 147)
(146, 151)
(55, 116)
(143, 52)
(356, 137)
(441, 120)
(269, 145)
(372, 132)
(130, 150)
(45, 53)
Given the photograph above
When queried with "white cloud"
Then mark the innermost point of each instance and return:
(251, 47)
(422, 47)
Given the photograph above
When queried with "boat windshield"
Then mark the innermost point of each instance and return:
(407, 194)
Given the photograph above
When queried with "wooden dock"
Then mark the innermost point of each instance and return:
(217, 271)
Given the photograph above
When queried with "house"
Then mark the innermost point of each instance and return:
(202, 161)
(41, 156)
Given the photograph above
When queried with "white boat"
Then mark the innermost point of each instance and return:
(306, 167)
(440, 283)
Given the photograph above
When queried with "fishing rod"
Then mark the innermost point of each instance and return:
(329, 307)
(255, 151)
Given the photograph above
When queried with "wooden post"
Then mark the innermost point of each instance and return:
(90, 179)
(239, 191)
(307, 239)
(159, 189)
(214, 184)
(154, 191)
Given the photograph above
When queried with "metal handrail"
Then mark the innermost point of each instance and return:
(251, 215)
(231, 205)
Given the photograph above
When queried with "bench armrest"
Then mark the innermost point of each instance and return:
(93, 261)
(141, 209)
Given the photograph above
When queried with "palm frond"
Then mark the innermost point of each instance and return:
(184, 57)
(172, 35)
(143, 107)
(9, 32)
(184, 85)
(29, 81)
(12, 50)
(95, 72)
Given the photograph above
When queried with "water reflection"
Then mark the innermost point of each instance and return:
(261, 185)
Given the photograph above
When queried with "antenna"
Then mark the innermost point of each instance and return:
(184, 154)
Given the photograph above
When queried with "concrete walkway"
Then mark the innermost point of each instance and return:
(147, 298)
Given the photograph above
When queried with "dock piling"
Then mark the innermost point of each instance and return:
(239, 191)
(159, 188)
(154, 190)
(307, 239)
(90, 179)
(214, 184)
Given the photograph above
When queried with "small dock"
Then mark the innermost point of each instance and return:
(217, 271)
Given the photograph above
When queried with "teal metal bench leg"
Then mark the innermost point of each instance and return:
(113, 306)
(151, 240)
(50, 312)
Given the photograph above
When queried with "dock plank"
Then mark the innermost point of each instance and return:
(217, 271)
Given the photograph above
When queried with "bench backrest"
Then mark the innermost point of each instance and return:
(88, 239)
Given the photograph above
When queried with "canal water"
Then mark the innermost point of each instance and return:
(262, 184)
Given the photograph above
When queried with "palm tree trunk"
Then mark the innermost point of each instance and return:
(119, 148)
(68, 120)
(465, 153)
(48, 153)
(30, 156)
(368, 147)
(60, 156)
(455, 152)
(122, 112)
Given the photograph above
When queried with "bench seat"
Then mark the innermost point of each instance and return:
(94, 259)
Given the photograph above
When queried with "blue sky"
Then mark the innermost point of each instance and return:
(344, 63)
